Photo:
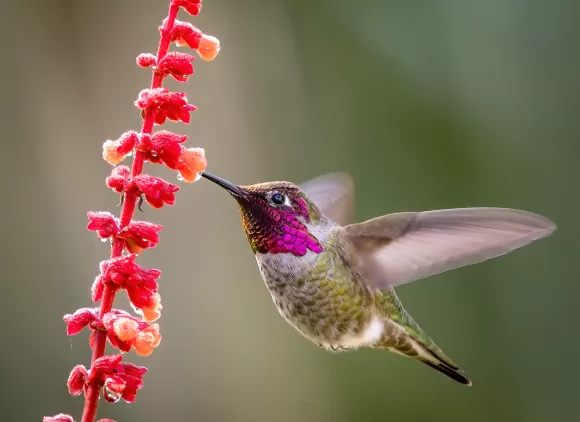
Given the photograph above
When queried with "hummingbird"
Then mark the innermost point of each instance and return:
(333, 280)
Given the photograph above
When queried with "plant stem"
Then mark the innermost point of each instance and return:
(94, 390)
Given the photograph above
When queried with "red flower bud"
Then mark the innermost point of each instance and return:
(80, 319)
(103, 223)
(183, 33)
(119, 178)
(177, 65)
(77, 380)
(58, 418)
(115, 151)
(191, 6)
(140, 283)
(157, 191)
(105, 364)
(163, 147)
(146, 60)
(140, 235)
(97, 289)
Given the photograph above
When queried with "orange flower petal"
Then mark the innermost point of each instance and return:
(125, 328)
(153, 312)
(209, 47)
(111, 153)
(192, 162)
(147, 340)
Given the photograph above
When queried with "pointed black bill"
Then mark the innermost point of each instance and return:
(229, 186)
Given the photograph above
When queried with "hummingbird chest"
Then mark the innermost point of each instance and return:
(318, 295)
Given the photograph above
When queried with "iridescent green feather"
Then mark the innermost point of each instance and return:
(390, 303)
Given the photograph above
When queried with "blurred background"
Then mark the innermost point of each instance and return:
(427, 104)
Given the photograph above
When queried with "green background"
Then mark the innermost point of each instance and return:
(428, 104)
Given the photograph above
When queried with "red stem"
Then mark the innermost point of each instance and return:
(94, 390)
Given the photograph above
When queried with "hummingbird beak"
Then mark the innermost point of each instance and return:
(229, 186)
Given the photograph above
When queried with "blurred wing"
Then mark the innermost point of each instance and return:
(400, 248)
(333, 195)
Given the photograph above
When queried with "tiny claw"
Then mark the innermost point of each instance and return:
(140, 203)
(339, 348)
(121, 200)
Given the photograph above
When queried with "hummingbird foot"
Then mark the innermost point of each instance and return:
(332, 347)
(339, 348)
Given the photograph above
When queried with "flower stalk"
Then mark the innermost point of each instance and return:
(129, 238)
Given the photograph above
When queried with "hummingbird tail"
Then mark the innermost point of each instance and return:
(430, 354)
(412, 342)
(403, 335)
(452, 372)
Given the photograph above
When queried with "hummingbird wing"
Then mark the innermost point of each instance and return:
(333, 195)
(403, 247)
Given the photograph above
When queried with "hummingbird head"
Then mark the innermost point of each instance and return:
(278, 217)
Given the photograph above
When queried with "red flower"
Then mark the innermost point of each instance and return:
(140, 283)
(120, 380)
(139, 235)
(183, 33)
(123, 325)
(157, 191)
(173, 63)
(90, 317)
(191, 6)
(119, 178)
(163, 147)
(103, 223)
(115, 151)
(165, 105)
(177, 65)
(150, 306)
(125, 329)
(80, 319)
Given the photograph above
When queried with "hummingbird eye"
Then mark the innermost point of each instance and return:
(278, 199)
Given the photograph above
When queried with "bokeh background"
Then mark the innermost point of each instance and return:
(428, 104)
